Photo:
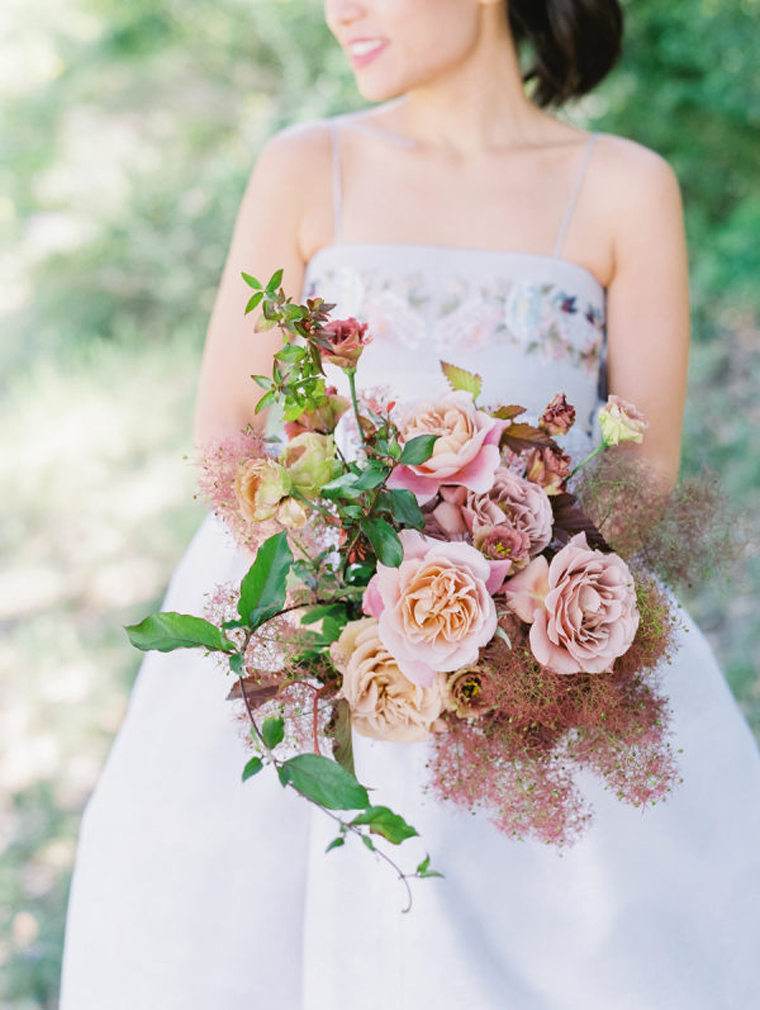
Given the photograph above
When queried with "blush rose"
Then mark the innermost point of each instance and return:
(466, 451)
(581, 607)
(435, 610)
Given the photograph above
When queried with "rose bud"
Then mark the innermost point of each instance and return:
(549, 467)
(310, 462)
(559, 416)
(347, 339)
(324, 419)
(260, 486)
(621, 422)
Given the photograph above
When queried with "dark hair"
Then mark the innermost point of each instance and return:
(575, 44)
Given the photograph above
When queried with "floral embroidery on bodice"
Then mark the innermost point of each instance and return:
(532, 325)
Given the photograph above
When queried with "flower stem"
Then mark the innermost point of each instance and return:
(351, 373)
(588, 458)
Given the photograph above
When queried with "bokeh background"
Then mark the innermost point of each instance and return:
(129, 131)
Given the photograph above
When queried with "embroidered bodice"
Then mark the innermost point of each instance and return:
(530, 325)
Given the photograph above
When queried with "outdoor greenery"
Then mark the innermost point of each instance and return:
(130, 130)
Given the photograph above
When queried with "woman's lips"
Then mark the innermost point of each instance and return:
(363, 54)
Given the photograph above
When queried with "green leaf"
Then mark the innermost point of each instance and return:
(273, 731)
(335, 610)
(274, 281)
(417, 450)
(384, 540)
(460, 378)
(383, 821)
(373, 476)
(266, 401)
(340, 729)
(423, 871)
(168, 631)
(251, 281)
(369, 843)
(262, 591)
(341, 487)
(253, 767)
(263, 381)
(291, 352)
(236, 662)
(336, 843)
(322, 780)
(253, 301)
(404, 508)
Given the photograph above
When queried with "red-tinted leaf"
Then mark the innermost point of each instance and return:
(569, 519)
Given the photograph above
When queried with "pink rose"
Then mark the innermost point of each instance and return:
(347, 339)
(466, 452)
(435, 610)
(525, 506)
(582, 608)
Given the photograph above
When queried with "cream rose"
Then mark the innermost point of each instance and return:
(435, 610)
(260, 485)
(384, 703)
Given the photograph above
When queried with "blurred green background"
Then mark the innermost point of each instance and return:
(129, 132)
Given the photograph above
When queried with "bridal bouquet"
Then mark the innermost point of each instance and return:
(447, 581)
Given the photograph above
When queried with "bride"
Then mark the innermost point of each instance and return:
(456, 215)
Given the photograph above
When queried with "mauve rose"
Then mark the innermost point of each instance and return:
(466, 452)
(559, 416)
(621, 421)
(503, 543)
(525, 505)
(548, 467)
(582, 607)
(384, 703)
(347, 339)
(435, 610)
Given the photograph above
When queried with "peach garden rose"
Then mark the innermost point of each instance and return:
(384, 703)
(466, 451)
(581, 607)
(435, 610)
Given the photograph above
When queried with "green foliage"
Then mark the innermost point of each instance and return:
(382, 821)
(262, 591)
(323, 781)
(273, 731)
(167, 631)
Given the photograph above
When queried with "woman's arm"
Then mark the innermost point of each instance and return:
(648, 311)
(283, 186)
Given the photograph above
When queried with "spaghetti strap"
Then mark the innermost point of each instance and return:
(337, 208)
(574, 197)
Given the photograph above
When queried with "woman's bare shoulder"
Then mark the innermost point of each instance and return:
(630, 172)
